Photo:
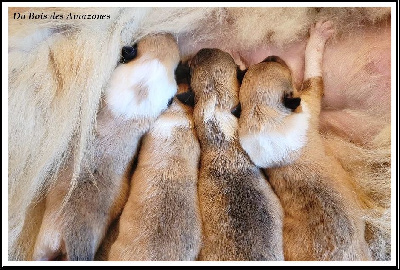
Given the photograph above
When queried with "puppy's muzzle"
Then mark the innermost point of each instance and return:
(182, 73)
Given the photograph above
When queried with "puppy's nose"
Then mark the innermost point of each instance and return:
(128, 53)
(291, 102)
(182, 73)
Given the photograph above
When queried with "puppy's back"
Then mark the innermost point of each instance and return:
(161, 218)
(242, 218)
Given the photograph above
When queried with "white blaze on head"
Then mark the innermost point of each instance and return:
(140, 90)
(165, 125)
(226, 121)
(276, 145)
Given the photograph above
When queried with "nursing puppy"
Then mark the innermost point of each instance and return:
(161, 219)
(322, 218)
(241, 215)
(78, 212)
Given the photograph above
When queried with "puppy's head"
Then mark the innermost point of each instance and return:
(214, 74)
(269, 83)
(273, 125)
(162, 47)
(143, 86)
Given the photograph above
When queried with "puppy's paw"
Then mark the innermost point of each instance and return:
(49, 245)
(72, 241)
(321, 31)
(72, 233)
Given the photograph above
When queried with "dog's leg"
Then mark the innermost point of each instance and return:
(312, 89)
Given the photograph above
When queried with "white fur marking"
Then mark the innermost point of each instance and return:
(26, 41)
(150, 75)
(165, 125)
(271, 147)
(227, 122)
(209, 108)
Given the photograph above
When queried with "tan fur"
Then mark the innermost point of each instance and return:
(242, 218)
(369, 170)
(79, 212)
(58, 70)
(322, 218)
(160, 220)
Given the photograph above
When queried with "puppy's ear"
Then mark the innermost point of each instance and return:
(128, 53)
(182, 73)
(240, 74)
(186, 98)
(237, 110)
(291, 103)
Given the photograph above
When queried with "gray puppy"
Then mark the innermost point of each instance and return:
(241, 215)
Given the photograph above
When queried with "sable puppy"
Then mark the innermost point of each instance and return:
(241, 215)
(161, 219)
(322, 217)
(78, 212)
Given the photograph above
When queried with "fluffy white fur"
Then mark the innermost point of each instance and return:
(277, 145)
(125, 102)
(58, 70)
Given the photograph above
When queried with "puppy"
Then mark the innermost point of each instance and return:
(241, 215)
(78, 212)
(161, 219)
(321, 215)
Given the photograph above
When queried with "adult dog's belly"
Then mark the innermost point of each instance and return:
(357, 66)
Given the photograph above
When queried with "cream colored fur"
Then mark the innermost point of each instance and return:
(59, 69)
(161, 219)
